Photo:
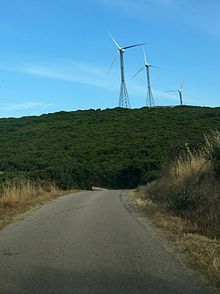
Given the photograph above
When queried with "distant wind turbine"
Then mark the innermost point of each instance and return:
(180, 91)
(149, 99)
(123, 96)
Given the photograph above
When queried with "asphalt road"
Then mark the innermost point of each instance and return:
(88, 243)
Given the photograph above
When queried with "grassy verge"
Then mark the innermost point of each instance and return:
(17, 198)
(185, 204)
(201, 252)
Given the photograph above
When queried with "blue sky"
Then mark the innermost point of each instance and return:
(54, 55)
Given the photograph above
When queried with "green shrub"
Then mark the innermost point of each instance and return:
(189, 186)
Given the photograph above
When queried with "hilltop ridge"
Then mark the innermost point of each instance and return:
(118, 148)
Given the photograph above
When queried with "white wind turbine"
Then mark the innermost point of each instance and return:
(180, 91)
(149, 99)
(123, 97)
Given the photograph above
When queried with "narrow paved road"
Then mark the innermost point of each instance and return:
(87, 243)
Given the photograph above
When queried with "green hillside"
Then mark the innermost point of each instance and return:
(115, 148)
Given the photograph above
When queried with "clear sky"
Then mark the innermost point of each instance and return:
(55, 54)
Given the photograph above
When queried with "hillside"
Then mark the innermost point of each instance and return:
(118, 148)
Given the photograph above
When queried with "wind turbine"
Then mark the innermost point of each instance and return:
(180, 91)
(123, 96)
(149, 99)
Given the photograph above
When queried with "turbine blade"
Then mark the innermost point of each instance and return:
(131, 46)
(114, 41)
(145, 58)
(115, 58)
(154, 66)
(171, 91)
(138, 72)
(181, 86)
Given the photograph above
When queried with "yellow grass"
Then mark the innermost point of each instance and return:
(194, 163)
(136, 198)
(201, 252)
(185, 204)
(172, 223)
(17, 198)
(25, 192)
(190, 188)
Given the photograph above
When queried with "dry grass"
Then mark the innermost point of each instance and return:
(145, 204)
(17, 198)
(201, 252)
(190, 188)
(194, 163)
(185, 204)
(172, 223)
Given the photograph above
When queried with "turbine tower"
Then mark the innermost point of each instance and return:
(180, 91)
(149, 98)
(123, 96)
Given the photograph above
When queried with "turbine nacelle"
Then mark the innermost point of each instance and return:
(149, 65)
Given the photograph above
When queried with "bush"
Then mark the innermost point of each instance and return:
(190, 188)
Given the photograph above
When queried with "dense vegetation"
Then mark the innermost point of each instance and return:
(190, 186)
(185, 203)
(118, 148)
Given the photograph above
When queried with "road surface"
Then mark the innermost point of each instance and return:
(88, 242)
